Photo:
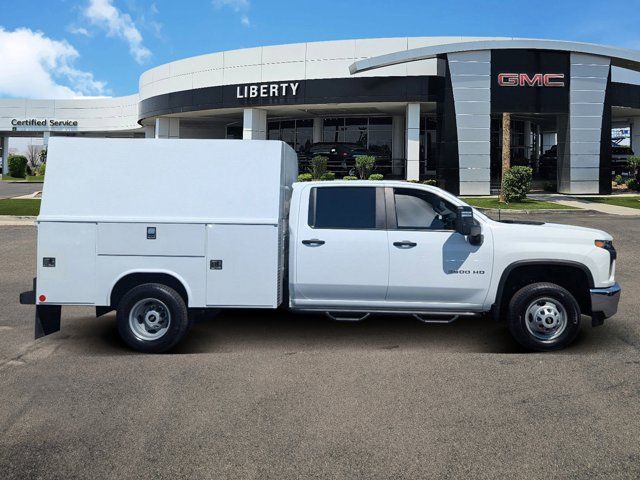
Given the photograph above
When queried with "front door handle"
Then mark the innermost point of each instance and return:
(314, 242)
(405, 244)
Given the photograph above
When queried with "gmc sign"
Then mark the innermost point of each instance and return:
(535, 80)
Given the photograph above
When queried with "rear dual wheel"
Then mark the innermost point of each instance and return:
(152, 318)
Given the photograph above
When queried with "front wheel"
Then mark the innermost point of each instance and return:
(152, 318)
(544, 316)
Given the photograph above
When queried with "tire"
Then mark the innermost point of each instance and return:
(152, 318)
(544, 317)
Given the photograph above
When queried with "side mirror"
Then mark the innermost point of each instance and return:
(465, 225)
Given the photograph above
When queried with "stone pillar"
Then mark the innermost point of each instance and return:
(167, 127)
(413, 141)
(579, 167)
(471, 83)
(634, 123)
(254, 125)
(317, 130)
(397, 144)
(149, 131)
(5, 155)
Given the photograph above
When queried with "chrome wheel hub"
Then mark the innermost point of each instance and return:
(546, 319)
(149, 319)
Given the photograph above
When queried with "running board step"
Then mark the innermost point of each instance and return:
(436, 319)
(347, 316)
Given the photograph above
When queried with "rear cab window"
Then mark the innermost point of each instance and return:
(353, 208)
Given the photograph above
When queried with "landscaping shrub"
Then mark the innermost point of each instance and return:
(364, 165)
(318, 167)
(432, 182)
(618, 180)
(376, 176)
(305, 177)
(350, 177)
(328, 176)
(632, 184)
(413, 181)
(43, 168)
(517, 183)
(18, 166)
(550, 187)
(634, 166)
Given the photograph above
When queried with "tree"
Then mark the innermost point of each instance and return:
(634, 167)
(506, 151)
(43, 156)
(33, 156)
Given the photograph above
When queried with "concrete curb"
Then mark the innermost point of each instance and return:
(534, 211)
(14, 221)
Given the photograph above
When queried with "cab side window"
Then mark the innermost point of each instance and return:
(342, 208)
(422, 210)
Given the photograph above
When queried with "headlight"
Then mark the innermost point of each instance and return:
(607, 245)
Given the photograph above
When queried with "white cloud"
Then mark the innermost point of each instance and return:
(78, 30)
(103, 14)
(238, 6)
(35, 66)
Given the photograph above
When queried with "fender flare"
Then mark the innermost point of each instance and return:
(497, 304)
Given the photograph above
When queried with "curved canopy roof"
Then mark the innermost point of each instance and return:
(620, 57)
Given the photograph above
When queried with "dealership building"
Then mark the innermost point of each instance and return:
(428, 107)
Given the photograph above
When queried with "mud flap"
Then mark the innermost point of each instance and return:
(47, 319)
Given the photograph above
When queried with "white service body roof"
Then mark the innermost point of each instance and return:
(167, 180)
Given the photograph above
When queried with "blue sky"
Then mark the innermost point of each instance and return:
(65, 48)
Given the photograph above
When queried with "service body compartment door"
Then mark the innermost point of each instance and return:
(242, 265)
(66, 262)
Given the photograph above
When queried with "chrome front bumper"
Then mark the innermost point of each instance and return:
(604, 301)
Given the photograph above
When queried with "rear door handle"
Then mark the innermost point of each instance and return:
(314, 242)
(404, 244)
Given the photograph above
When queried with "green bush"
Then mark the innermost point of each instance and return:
(43, 168)
(376, 176)
(432, 182)
(318, 167)
(634, 166)
(328, 176)
(618, 179)
(350, 177)
(305, 177)
(517, 183)
(364, 165)
(18, 166)
(632, 184)
(413, 181)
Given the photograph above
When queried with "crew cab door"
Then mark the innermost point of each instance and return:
(341, 247)
(431, 265)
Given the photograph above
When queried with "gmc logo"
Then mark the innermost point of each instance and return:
(536, 80)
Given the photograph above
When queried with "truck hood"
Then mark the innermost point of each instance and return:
(556, 230)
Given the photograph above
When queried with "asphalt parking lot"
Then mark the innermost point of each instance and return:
(275, 395)
(15, 189)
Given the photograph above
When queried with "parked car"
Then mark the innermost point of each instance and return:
(160, 243)
(341, 156)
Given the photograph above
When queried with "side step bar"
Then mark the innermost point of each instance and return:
(435, 319)
(347, 316)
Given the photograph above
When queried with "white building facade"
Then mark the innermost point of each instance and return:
(427, 107)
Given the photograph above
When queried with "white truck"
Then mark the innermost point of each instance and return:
(159, 230)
